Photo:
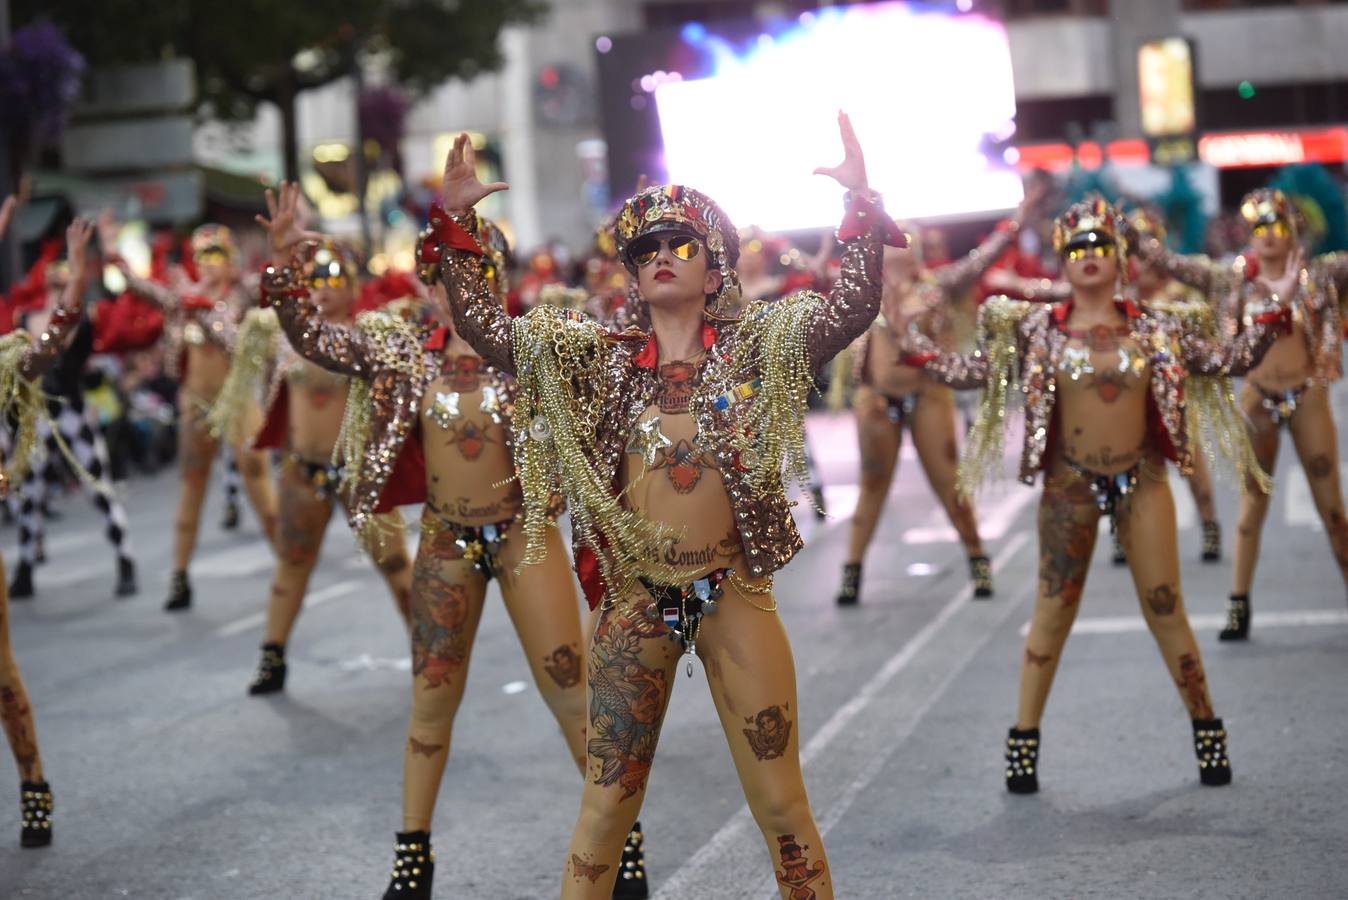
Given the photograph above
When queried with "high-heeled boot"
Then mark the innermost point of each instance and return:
(180, 592)
(21, 586)
(126, 577)
(37, 809)
(413, 867)
(271, 670)
(980, 570)
(631, 883)
(850, 592)
(1022, 761)
(1212, 542)
(1237, 619)
(1214, 767)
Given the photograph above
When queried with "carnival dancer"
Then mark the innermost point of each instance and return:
(23, 361)
(1111, 391)
(305, 407)
(1291, 386)
(204, 319)
(891, 397)
(70, 421)
(670, 447)
(430, 422)
(1153, 289)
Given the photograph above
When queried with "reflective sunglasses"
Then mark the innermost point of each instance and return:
(645, 250)
(321, 281)
(1093, 251)
(1277, 229)
(212, 256)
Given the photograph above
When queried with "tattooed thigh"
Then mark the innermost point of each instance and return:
(442, 620)
(1162, 599)
(769, 731)
(1320, 466)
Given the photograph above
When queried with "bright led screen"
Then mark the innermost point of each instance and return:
(930, 95)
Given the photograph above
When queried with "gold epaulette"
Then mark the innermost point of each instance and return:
(254, 350)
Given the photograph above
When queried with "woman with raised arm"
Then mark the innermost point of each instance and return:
(1110, 394)
(430, 422)
(892, 396)
(305, 407)
(204, 321)
(670, 447)
(1291, 386)
(23, 360)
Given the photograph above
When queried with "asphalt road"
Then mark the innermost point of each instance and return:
(172, 783)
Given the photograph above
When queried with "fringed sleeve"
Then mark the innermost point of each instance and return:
(254, 350)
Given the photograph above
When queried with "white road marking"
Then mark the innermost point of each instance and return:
(993, 523)
(367, 663)
(514, 687)
(1272, 619)
(314, 598)
(740, 824)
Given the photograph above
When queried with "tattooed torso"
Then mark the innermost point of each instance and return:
(317, 401)
(465, 431)
(1103, 381)
(670, 477)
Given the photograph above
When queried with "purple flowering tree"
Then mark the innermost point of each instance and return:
(39, 82)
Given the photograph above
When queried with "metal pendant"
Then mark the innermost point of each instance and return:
(444, 408)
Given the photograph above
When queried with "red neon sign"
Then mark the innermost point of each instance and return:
(1234, 150)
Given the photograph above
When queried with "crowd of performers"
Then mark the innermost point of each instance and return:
(659, 406)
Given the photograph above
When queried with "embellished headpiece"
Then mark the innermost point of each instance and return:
(214, 238)
(330, 261)
(675, 208)
(1146, 221)
(1268, 205)
(1092, 222)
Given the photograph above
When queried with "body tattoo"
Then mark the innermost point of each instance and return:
(1194, 687)
(564, 666)
(420, 749)
(1320, 466)
(1037, 659)
(439, 619)
(684, 464)
(677, 380)
(1162, 599)
(770, 734)
(581, 869)
(17, 716)
(796, 872)
(627, 700)
(1064, 545)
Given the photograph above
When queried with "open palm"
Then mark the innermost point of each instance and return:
(283, 223)
(460, 188)
(851, 172)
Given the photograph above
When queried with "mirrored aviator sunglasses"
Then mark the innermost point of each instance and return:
(1277, 229)
(1093, 251)
(212, 256)
(645, 250)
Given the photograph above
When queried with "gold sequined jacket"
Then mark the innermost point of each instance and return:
(1020, 345)
(1230, 289)
(193, 319)
(23, 362)
(583, 388)
(390, 364)
(938, 290)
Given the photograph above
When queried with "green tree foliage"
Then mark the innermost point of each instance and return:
(251, 51)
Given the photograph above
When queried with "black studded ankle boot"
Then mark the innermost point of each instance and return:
(230, 520)
(1212, 542)
(1237, 619)
(126, 577)
(413, 867)
(180, 592)
(1022, 761)
(631, 883)
(1214, 767)
(980, 570)
(850, 592)
(37, 809)
(21, 586)
(271, 670)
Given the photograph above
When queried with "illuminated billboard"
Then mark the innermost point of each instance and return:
(1165, 80)
(747, 116)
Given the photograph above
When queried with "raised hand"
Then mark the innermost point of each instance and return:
(108, 230)
(851, 172)
(7, 213)
(77, 247)
(1284, 285)
(1035, 194)
(283, 223)
(460, 189)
